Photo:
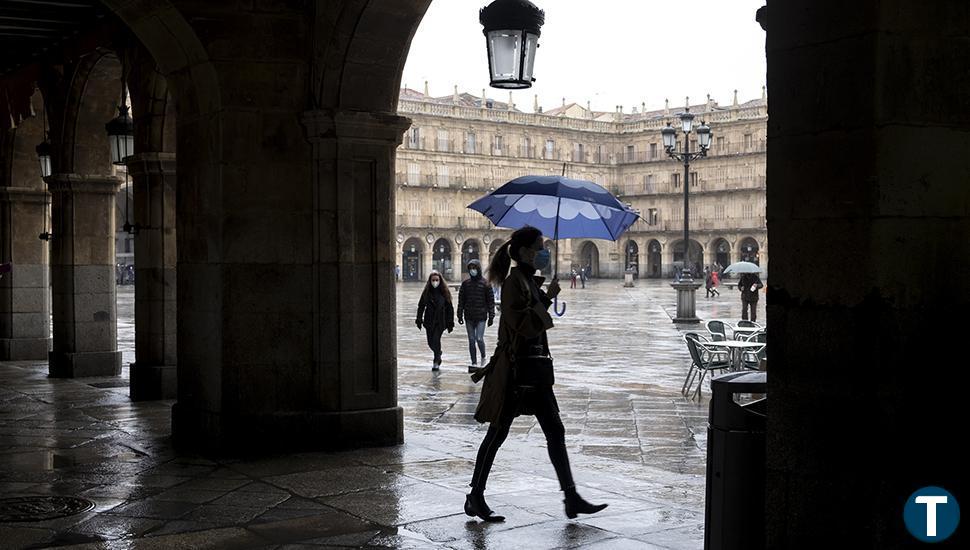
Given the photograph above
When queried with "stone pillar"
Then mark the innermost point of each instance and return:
(427, 260)
(355, 339)
(83, 276)
(286, 330)
(24, 309)
(153, 374)
(869, 220)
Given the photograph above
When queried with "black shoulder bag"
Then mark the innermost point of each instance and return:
(532, 366)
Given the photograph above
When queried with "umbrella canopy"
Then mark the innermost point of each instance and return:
(560, 207)
(743, 267)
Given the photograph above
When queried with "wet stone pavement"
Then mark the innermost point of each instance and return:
(633, 441)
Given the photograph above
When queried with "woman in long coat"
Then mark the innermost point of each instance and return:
(521, 333)
(436, 314)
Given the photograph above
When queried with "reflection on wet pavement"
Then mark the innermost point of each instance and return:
(634, 442)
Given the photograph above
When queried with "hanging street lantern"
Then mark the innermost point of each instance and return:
(44, 156)
(121, 134)
(512, 29)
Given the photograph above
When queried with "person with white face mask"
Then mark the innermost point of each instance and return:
(476, 308)
(435, 314)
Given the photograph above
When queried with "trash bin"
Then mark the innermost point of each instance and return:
(734, 511)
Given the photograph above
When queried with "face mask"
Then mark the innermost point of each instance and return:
(473, 272)
(434, 284)
(542, 259)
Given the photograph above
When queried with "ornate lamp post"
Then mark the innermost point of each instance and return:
(685, 285)
(512, 29)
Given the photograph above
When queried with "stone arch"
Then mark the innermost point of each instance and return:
(442, 259)
(412, 251)
(749, 250)
(720, 252)
(588, 257)
(631, 254)
(654, 259)
(696, 262)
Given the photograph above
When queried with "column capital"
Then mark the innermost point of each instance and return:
(23, 195)
(76, 183)
(379, 127)
(144, 164)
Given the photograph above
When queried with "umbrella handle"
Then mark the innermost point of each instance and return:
(555, 307)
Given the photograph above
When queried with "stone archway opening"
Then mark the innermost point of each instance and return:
(654, 259)
(722, 253)
(411, 253)
(589, 259)
(696, 260)
(749, 251)
(441, 259)
(632, 252)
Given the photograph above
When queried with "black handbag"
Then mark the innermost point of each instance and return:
(533, 368)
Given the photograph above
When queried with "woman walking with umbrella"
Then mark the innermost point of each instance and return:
(519, 377)
(436, 314)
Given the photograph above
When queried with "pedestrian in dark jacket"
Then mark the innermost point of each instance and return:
(435, 314)
(749, 284)
(508, 390)
(476, 308)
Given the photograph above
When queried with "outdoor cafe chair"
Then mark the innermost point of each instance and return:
(703, 360)
(748, 324)
(716, 328)
(751, 359)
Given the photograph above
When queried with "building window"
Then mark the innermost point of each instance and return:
(443, 143)
(470, 143)
(499, 145)
(648, 183)
(443, 179)
(414, 173)
(720, 145)
(675, 180)
(550, 148)
(747, 210)
(693, 179)
(630, 153)
(652, 216)
(600, 155)
(718, 211)
(527, 149)
(414, 138)
(579, 155)
(653, 151)
(747, 142)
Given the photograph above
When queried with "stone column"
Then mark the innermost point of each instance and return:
(83, 276)
(153, 374)
(869, 220)
(355, 337)
(427, 260)
(24, 309)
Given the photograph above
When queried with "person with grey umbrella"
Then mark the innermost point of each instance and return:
(749, 284)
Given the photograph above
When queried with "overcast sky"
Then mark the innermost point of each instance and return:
(609, 52)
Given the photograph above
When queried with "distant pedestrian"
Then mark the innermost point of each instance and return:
(716, 279)
(397, 273)
(476, 308)
(436, 314)
(519, 377)
(708, 283)
(582, 276)
(572, 279)
(749, 284)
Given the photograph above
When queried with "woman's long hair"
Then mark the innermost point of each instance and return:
(498, 269)
(441, 287)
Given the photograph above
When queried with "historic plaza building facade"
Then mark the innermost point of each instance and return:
(459, 148)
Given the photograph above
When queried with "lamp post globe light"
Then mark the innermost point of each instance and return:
(512, 29)
(121, 135)
(685, 284)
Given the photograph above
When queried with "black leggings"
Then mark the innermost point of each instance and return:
(547, 413)
(434, 341)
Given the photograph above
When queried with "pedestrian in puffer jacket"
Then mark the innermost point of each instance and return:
(476, 308)
(436, 314)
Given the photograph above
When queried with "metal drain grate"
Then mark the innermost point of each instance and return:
(41, 508)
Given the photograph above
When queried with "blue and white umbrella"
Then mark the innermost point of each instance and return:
(559, 206)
